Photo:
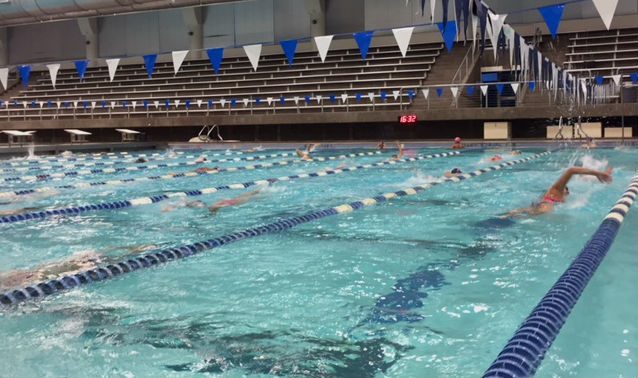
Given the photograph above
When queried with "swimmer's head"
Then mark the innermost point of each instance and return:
(456, 171)
(141, 160)
(196, 204)
(457, 140)
(566, 191)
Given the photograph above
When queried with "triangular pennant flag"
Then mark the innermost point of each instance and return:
(156, 104)
(319, 98)
(41, 104)
(307, 99)
(177, 102)
(290, 48)
(395, 94)
(553, 15)
(448, 32)
(497, 21)
(222, 102)
(25, 104)
(245, 101)
(634, 77)
(515, 87)
(599, 80)
(470, 90)
(58, 104)
(500, 88)
(446, 6)
(358, 96)
(323, 44)
(25, 74)
(333, 98)
(344, 97)
(178, 59)
(4, 76)
(93, 103)
(253, 52)
(269, 100)
(432, 8)
(455, 91)
(484, 89)
(475, 25)
(81, 66)
(439, 92)
(606, 10)
(617, 79)
(426, 93)
(371, 96)
(112, 65)
(510, 36)
(403, 36)
(363, 41)
(75, 104)
(113, 104)
(199, 103)
(53, 72)
(296, 100)
(134, 104)
(532, 86)
(149, 61)
(216, 56)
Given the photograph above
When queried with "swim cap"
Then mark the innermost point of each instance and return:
(457, 140)
(456, 171)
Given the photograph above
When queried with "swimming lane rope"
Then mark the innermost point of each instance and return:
(39, 215)
(67, 282)
(524, 352)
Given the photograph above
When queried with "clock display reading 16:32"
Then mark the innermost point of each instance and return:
(408, 119)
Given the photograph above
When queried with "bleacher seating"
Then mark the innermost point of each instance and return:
(343, 72)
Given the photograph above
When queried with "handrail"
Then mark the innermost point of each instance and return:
(465, 63)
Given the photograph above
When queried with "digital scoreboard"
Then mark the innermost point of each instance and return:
(408, 119)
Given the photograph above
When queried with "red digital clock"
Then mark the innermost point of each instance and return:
(408, 119)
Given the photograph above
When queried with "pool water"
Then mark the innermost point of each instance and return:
(421, 286)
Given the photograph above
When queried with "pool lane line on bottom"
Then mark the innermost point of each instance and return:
(224, 160)
(86, 172)
(75, 210)
(98, 274)
(525, 351)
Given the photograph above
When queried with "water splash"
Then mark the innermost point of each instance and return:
(31, 153)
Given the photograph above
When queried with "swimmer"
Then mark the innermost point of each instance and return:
(141, 160)
(399, 155)
(255, 149)
(201, 159)
(559, 192)
(304, 154)
(457, 144)
(206, 170)
(516, 152)
(589, 144)
(8, 213)
(232, 202)
(496, 158)
(453, 173)
(381, 146)
(188, 204)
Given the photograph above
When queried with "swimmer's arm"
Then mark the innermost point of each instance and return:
(573, 171)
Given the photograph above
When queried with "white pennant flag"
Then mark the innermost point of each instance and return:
(41, 103)
(296, 99)
(58, 104)
(475, 25)
(134, 103)
(484, 89)
(497, 25)
(616, 79)
(199, 103)
(24, 104)
(178, 59)
(177, 102)
(253, 52)
(113, 104)
(606, 10)
(269, 100)
(515, 87)
(93, 103)
(455, 91)
(432, 8)
(4, 76)
(53, 72)
(395, 94)
(112, 64)
(156, 103)
(222, 102)
(426, 93)
(75, 104)
(319, 98)
(403, 36)
(323, 44)
(344, 98)
(510, 36)
(245, 101)
(371, 96)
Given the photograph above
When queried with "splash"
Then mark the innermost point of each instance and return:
(31, 153)
(418, 179)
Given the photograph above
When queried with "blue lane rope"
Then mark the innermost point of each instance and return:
(110, 163)
(39, 215)
(87, 172)
(67, 282)
(524, 352)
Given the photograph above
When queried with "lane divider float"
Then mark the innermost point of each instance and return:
(44, 289)
(525, 351)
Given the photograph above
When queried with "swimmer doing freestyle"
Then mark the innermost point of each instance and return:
(559, 192)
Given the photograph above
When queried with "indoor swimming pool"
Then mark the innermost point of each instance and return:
(428, 283)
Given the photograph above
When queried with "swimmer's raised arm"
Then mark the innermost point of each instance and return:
(561, 183)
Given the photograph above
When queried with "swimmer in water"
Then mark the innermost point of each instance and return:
(255, 149)
(457, 144)
(453, 173)
(8, 213)
(559, 192)
(381, 146)
(141, 160)
(201, 159)
(240, 200)
(496, 158)
(197, 204)
(399, 155)
(516, 152)
(589, 144)
(304, 154)
(206, 169)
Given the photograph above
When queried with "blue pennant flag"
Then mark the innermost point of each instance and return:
(599, 80)
(67, 104)
(463, 13)
(34, 104)
(471, 90)
(81, 66)
(233, 102)
(333, 98)
(187, 104)
(257, 101)
(448, 31)
(210, 104)
(103, 104)
(167, 103)
(552, 15)
(125, 104)
(25, 74)
(146, 104)
(359, 97)
(500, 88)
(439, 92)
(49, 104)
(307, 98)
(282, 100)
(363, 41)
(149, 61)
(423, 8)
(85, 104)
(384, 95)
(411, 95)
(446, 5)
(634, 77)
(532, 86)
(216, 56)
(289, 47)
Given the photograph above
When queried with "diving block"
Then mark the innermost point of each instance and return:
(78, 136)
(497, 130)
(130, 135)
(19, 137)
(617, 132)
